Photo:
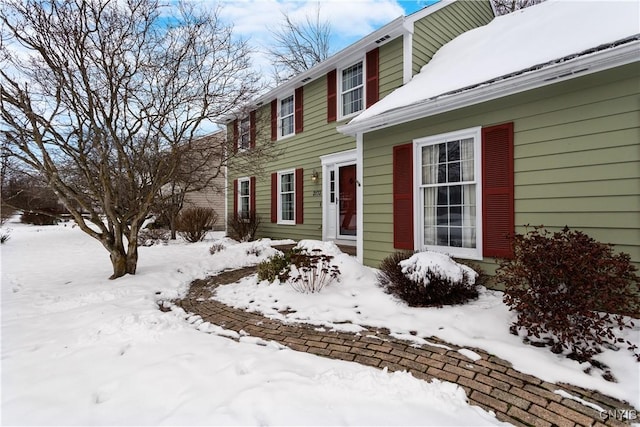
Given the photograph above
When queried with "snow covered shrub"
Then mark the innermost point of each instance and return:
(427, 279)
(276, 267)
(565, 287)
(153, 236)
(243, 227)
(193, 223)
(4, 236)
(311, 272)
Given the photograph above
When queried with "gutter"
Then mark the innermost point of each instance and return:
(500, 87)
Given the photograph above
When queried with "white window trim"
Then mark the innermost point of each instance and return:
(418, 210)
(339, 89)
(239, 142)
(280, 99)
(280, 220)
(239, 195)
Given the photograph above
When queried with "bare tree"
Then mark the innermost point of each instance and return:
(105, 98)
(507, 6)
(298, 46)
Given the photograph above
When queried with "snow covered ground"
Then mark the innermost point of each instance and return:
(78, 349)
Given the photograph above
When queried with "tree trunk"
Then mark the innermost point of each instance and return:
(119, 263)
(132, 257)
(172, 224)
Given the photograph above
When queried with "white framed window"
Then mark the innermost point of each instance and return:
(286, 197)
(286, 116)
(351, 89)
(449, 196)
(244, 137)
(244, 197)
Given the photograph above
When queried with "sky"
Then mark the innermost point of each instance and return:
(351, 19)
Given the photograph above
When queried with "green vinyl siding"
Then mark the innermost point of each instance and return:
(300, 151)
(390, 67)
(303, 150)
(433, 31)
(577, 159)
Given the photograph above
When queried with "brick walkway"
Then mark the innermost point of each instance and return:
(490, 382)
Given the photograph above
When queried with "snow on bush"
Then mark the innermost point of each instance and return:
(417, 267)
(427, 279)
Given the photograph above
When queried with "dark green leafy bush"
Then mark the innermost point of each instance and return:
(276, 267)
(569, 291)
(434, 289)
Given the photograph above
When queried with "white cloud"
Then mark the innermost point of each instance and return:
(350, 20)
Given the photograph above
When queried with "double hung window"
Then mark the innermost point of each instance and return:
(244, 198)
(352, 89)
(286, 197)
(287, 110)
(244, 139)
(449, 192)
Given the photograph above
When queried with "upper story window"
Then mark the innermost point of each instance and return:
(244, 138)
(286, 123)
(351, 89)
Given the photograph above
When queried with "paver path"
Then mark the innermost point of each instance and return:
(490, 382)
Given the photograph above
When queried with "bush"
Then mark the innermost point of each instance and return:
(153, 236)
(193, 223)
(310, 273)
(276, 267)
(215, 248)
(40, 218)
(4, 236)
(306, 273)
(432, 289)
(565, 287)
(244, 228)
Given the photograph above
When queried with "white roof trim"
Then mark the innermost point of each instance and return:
(577, 67)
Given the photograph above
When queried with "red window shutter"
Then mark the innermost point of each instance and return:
(252, 129)
(373, 67)
(274, 197)
(236, 135)
(403, 196)
(235, 197)
(299, 112)
(274, 119)
(498, 221)
(252, 194)
(332, 96)
(299, 197)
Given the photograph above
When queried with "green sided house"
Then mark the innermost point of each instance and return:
(531, 119)
(448, 129)
(311, 190)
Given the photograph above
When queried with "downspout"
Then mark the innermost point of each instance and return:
(359, 198)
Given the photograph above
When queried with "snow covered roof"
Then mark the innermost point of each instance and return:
(526, 41)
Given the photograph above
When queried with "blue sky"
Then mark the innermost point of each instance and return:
(350, 19)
